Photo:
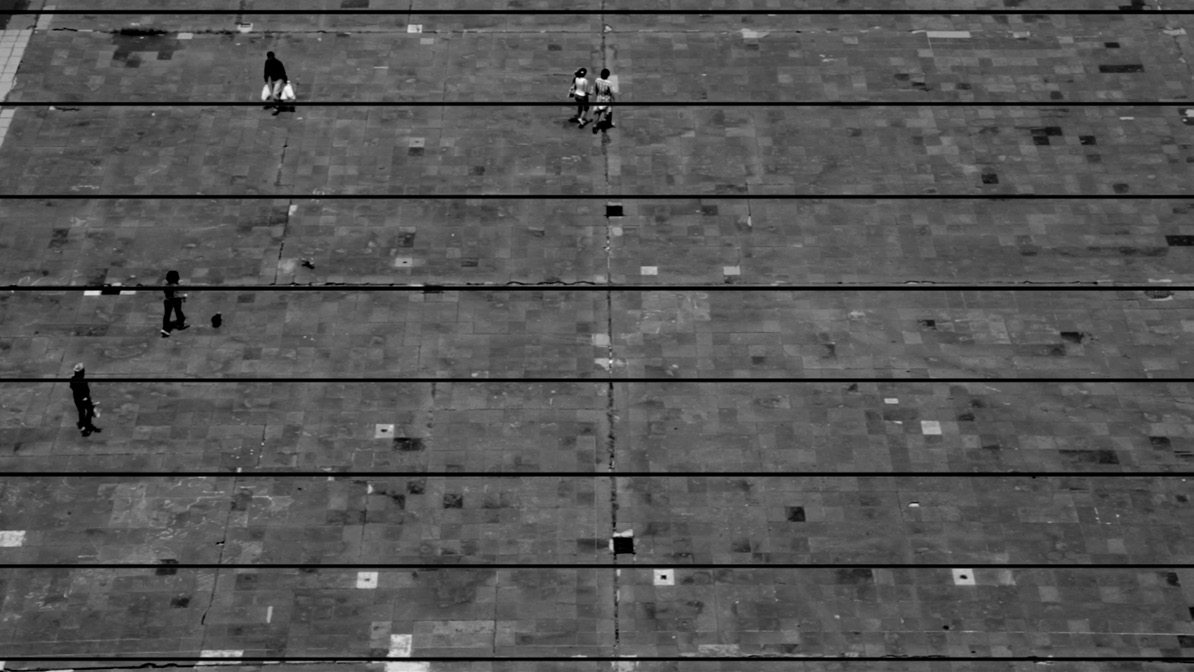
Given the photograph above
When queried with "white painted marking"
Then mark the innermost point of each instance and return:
(649, 270)
(913, 505)
(731, 270)
(963, 577)
(91, 292)
(383, 431)
(367, 580)
(43, 20)
(293, 209)
(186, 36)
(220, 653)
(269, 613)
(12, 538)
(665, 577)
(400, 646)
(930, 427)
(948, 34)
(891, 400)
(414, 28)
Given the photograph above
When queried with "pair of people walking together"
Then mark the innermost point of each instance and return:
(603, 95)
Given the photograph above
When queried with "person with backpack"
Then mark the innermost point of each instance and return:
(579, 91)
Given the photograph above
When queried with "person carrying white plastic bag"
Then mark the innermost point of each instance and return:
(276, 83)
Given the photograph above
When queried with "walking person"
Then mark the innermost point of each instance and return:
(173, 304)
(603, 95)
(580, 93)
(81, 391)
(275, 79)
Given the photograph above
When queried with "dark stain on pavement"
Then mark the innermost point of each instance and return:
(7, 6)
(130, 42)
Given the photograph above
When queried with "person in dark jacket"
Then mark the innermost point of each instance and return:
(275, 78)
(173, 304)
(81, 391)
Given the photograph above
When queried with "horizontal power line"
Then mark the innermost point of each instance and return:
(233, 475)
(68, 105)
(662, 562)
(419, 11)
(154, 660)
(585, 286)
(612, 198)
(20, 380)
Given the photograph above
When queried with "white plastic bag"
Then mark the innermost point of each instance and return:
(288, 92)
(265, 92)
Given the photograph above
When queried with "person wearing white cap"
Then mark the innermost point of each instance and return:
(82, 394)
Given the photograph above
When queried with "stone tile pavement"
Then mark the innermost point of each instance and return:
(711, 240)
(1026, 334)
(466, 612)
(1088, 444)
(676, 520)
(899, 426)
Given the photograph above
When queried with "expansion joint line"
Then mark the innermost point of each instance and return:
(1177, 44)
(215, 575)
(611, 417)
(290, 205)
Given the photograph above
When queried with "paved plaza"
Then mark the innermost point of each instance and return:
(736, 385)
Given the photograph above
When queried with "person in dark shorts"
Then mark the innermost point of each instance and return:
(81, 392)
(173, 304)
(603, 95)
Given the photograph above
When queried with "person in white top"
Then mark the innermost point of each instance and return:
(579, 91)
(603, 95)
